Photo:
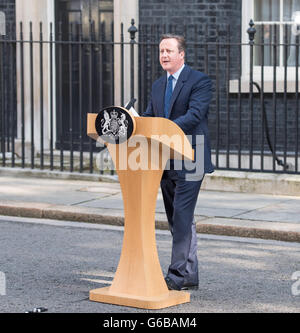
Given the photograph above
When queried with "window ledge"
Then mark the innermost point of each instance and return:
(268, 86)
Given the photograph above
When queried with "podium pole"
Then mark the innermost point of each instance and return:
(138, 281)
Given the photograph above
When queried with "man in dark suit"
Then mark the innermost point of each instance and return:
(183, 96)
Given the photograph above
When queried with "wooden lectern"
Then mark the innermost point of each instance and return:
(138, 281)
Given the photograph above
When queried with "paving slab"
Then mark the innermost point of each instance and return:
(216, 212)
(281, 212)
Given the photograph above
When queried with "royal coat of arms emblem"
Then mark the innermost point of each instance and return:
(114, 125)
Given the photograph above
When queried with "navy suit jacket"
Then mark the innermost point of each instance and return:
(188, 108)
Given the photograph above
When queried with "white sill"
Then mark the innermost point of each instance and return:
(268, 86)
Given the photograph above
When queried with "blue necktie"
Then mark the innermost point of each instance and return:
(168, 95)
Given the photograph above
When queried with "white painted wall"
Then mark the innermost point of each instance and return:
(124, 11)
(34, 11)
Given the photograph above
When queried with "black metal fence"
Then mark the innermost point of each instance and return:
(51, 78)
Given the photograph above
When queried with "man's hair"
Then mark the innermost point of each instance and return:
(180, 40)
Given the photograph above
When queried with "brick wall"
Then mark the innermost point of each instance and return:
(190, 11)
(212, 17)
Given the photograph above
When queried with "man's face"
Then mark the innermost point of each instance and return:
(169, 56)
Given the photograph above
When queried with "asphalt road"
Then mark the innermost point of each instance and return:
(54, 264)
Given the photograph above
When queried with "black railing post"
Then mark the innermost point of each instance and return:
(2, 113)
(274, 97)
(239, 98)
(132, 31)
(152, 53)
(228, 98)
(31, 93)
(251, 32)
(90, 87)
(122, 64)
(60, 97)
(51, 96)
(112, 68)
(262, 137)
(22, 96)
(12, 94)
(285, 43)
(41, 99)
(142, 70)
(297, 104)
(217, 98)
(195, 62)
(100, 65)
(206, 70)
(80, 97)
(112, 72)
(70, 59)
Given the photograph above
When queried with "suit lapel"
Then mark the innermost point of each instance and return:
(180, 83)
(161, 95)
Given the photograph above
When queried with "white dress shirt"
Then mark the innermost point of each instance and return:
(175, 76)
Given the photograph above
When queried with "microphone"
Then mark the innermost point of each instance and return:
(130, 104)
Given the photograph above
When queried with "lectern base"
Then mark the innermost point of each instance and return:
(173, 297)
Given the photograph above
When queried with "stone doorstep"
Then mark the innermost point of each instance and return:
(216, 226)
(227, 181)
(247, 182)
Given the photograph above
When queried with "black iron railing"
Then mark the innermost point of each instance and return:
(50, 80)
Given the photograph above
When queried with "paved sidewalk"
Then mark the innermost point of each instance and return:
(223, 213)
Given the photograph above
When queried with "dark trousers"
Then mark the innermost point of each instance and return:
(180, 198)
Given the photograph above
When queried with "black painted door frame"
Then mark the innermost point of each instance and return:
(83, 73)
